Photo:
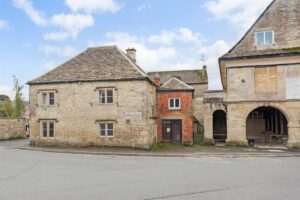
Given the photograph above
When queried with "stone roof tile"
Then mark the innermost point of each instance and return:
(94, 64)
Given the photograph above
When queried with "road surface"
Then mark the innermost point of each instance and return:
(28, 175)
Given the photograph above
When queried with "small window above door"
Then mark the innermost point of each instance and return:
(174, 103)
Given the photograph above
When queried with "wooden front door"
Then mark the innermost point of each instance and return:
(172, 131)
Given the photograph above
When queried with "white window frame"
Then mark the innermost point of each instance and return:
(47, 95)
(174, 107)
(47, 129)
(264, 32)
(106, 96)
(106, 129)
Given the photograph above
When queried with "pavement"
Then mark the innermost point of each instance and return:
(171, 151)
(35, 175)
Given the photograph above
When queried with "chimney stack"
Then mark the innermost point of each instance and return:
(131, 52)
(157, 80)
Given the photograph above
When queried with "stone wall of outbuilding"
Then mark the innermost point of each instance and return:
(11, 128)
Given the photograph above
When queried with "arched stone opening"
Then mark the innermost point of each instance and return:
(219, 126)
(267, 125)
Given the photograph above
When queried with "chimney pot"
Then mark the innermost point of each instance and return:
(157, 80)
(131, 52)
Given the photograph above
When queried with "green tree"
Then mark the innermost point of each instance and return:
(19, 102)
(3, 97)
(7, 108)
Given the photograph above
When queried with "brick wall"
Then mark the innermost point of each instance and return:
(185, 113)
(11, 128)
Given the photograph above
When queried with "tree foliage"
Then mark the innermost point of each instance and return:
(19, 107)
(7, 108)
(3, 97)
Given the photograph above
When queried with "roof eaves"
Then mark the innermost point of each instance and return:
(77, 81)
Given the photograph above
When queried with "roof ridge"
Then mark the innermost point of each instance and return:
(102, 47)
(178, 80)
(185, 70)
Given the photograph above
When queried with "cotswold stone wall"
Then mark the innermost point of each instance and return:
(11, 128)
(77, 114)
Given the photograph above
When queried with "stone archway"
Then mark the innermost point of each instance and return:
(219, 126)
(267, 125)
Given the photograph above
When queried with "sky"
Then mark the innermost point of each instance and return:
(39, 35)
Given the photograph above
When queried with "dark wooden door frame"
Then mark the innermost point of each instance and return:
(170, 131)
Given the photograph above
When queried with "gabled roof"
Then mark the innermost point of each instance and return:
(187, 76)
(175, 84)
(282, 17)
(95, 64)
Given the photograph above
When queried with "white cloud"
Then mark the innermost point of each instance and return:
(212, 53)
(167, 37)
(90, 6)
(148, 58)
(146, 5)
(4, 24)
(173, 57)
(73, 23)
(35, 15)
(56, 36)
(242, 13)
(66, 51)
(7, 90)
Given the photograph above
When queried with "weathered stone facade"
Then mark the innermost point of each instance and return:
(77, 113)
(12, 128)
(70, 105)
(262, 77)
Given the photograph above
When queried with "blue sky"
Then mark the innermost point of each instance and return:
(38, 35)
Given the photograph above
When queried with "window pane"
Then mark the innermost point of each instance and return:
(110, 94)
(102, 96)
(102, 129)
(44, 98)
(45, 129)
(110, 132)
(102, 132)
(269, 37)
(110, 99)
(260, 38)
(110, 126)
(51, 129)
(171, 102)
(177, 103)
(51, 98)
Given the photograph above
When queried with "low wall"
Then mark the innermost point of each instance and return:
(12, 128)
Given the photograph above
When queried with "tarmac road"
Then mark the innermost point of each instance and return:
(30, 175)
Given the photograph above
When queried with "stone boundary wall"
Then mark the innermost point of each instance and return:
(12, 128)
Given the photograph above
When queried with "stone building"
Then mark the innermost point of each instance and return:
(260, 102)
(100, 97)
(103, 98)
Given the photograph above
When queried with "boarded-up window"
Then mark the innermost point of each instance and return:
(266, 79)
(293, 88)
(293, 82)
